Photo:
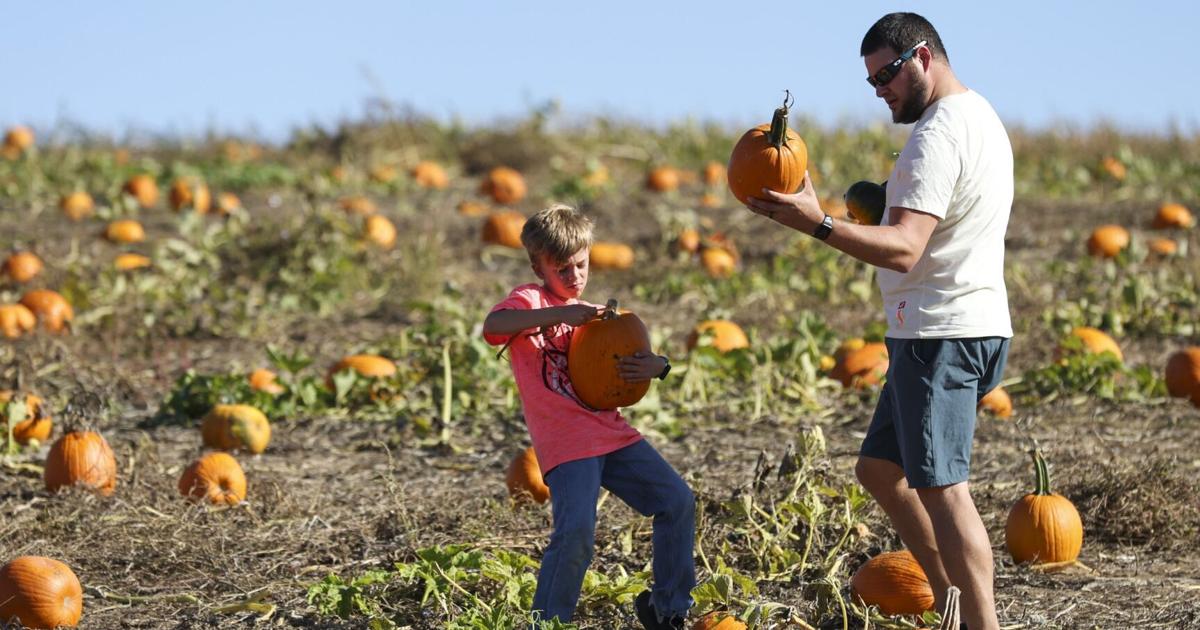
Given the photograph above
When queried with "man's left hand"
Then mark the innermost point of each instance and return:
(800, 211)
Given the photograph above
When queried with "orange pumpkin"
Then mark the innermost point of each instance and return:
(524, 478)
(1113, 168)
(865, 202)
(228, 203)
(81, 458)
(1163, 246)
(710, 200)
(35, 426)
(863, 367)
(215, 477)
(19, 138)
(472, 208)
(236, 427)
(1095, 341)
(379, 230)
(1183, 374)
(358, 204)
(1107, 241)
(263, 380)
(1173, 215)
(768, 156)
(718, 262)
(41, 592)
(504, 228)
(895, 582)
(718, 620)
(129, 262)
(23, 266)
(688, 241)
(714, 173)
(125, 231)
(997, 402)
(1043, 527)
(366, 365)
(77, 205)
(593, 354)
(189, 192)
(662, 179)
(143, 188)
(428, 174)
(51, 309)
(606, 255)
(726, 335)
(504, 185)
(16, 320)
(383, 173)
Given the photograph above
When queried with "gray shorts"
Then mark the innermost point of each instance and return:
(925, 419)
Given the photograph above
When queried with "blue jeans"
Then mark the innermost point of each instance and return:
(641, 478)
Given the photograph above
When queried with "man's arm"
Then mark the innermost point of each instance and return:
(897, 246)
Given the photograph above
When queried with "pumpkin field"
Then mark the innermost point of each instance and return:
(245, 385)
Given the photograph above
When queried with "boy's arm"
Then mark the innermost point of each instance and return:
(512, 321)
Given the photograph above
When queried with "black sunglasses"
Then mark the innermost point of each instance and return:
(889, 72)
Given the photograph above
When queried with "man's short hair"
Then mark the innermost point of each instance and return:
(558, 232)
(901, 31)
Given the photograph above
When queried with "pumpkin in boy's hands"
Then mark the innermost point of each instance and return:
(593, 354)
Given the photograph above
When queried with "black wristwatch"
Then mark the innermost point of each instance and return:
(825, 229)
(666, 368)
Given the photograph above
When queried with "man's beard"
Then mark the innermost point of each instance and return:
(911, 109)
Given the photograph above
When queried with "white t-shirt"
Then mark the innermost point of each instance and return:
(957, 165)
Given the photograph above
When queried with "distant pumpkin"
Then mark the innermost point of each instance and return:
(35, 426)
(1173, 215)
(50, 308)
(1183, 374)
(383, 173)
(1095, 341)
(125, 231)
(726, 335)
(19, 138)
(263, 380)
(504, 228)
(129, 262)
(236, 427)
(504, 185)
(77, 205)
(714, 173)
(81, 458)
(864, 367)
(688, 241)
(16, 320)
(663, 179)
(608, 255)
(997, 402)
(214, 477)
(429, 174)
(190, 192)
(718, 262)
(143, 188)
(524, 478)
(380, 231)
(22, 267)
(358, 204)
(472, 208)
(1107, 241)
(228, 203)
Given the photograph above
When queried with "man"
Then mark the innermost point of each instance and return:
(940, 249)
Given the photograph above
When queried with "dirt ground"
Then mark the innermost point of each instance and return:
(332, 495)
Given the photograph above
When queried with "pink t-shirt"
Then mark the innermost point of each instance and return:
(563, 429)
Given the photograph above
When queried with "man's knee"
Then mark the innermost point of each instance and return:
(878, 476)
(945, 499)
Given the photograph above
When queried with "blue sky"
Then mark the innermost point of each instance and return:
(265, 67)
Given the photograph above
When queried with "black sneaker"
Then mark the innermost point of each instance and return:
(649, 618)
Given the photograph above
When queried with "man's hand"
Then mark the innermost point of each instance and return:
(577, 314)
(800, 211)
(640, 366)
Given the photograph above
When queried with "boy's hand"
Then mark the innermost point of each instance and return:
(640, 366)
(578, 314)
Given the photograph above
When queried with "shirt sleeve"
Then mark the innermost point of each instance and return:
(926, 173)
(521, 298)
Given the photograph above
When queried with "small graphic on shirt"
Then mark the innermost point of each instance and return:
(555, 342)
(900, 312)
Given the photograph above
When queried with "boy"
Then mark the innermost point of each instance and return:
(580, 449)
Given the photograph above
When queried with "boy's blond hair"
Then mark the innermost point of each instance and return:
(557, 232)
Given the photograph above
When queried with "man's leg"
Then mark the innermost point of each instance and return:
(965, 551)
(886, 483)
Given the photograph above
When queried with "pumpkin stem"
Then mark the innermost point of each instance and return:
(610, 309)
(778, 134)
(1042, 484)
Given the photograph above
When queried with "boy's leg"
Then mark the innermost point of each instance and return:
(639, 476)
(574, 490)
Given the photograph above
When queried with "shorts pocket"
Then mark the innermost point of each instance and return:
(924, 351)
